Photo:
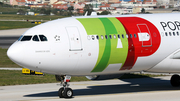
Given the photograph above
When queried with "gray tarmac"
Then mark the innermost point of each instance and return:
(5, 68)
(142, 89)
(8, 37)
(13, 32)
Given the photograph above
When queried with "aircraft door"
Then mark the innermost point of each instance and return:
(74, 38)
(144, 35)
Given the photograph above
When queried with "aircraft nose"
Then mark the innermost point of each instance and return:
(15, 53)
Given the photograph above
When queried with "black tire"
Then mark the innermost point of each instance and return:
(60, 92)
(175, 80)
(68, 93)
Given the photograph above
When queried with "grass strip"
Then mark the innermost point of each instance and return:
(13, 77)
(5, 61)
(28, 17)
(15, 24)
(8, 9)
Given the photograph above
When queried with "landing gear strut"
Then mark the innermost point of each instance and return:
(65, 91)
(175, 80)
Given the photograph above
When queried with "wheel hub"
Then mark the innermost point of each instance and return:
(69, 93)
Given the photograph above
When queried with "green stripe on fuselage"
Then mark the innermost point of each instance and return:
(106, 55)
(118, 55)
(94, 26)
(108, 51)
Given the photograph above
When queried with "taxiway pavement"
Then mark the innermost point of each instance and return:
(13, 32)
(142, 89)
(8, 37)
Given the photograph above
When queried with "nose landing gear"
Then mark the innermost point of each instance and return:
(65, 91)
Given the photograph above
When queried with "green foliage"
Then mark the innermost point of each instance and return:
(29, 17)
(48, 12)
(1, 4)
(148, 13)
(78, 11)
(55, 11)
(6, 10)
(16, 6)
(88, 8)
(70, 8)
(143, 10)
(63, 12)
(42, 11)
(5, 5)
(105, 13)
(24, 7)
(35, 10)
(45, 11)
(21, 12)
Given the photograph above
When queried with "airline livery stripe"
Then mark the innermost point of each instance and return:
(118, 54)
(94, 26)
(109, 51)
(109, 27)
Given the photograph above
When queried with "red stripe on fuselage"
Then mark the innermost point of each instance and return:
(133, 26)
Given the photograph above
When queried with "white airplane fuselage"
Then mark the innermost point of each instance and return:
(98, 45)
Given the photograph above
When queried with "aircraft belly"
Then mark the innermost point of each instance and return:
(170, 64)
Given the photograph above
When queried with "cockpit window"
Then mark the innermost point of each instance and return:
(35, 38)
(26, 38)
(43, 38)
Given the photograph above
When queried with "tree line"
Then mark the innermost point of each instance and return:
(47, 10)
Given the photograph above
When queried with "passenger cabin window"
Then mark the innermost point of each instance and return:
(102, 37)
(35, 38)
(110, 36)
(177, 33)
(170, 33)
(174, 33)
(97, 37)
(118, 36)
(123, 36)
(26, 38)
(106, 36)
(130, 35)
(93, 37)
(114, 36)
(127, 36)
(166, 34)
(135, 36)
(43, 38)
